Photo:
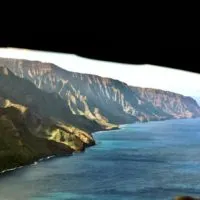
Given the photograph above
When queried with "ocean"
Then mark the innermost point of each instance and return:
(143, 161)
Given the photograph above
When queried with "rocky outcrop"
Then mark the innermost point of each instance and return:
(186, 198)
(35, 124)
(26, 136)
(49, 105)
(176, 105)
(104, 100)
(18, 146)
(45, 110)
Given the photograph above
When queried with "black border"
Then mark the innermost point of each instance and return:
(108, 47)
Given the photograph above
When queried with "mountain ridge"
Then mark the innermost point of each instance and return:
(59, 107)
(80, 89)
(37, 119)
(53, 65)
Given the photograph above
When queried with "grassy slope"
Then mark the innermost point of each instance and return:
(46, 104)
(37, 124)
(18, 146)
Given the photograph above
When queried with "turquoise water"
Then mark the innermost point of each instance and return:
(156, 160)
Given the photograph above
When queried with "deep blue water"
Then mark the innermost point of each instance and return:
(156, 160)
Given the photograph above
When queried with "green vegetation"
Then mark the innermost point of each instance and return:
(25, 138)
(53, 111)
(17, 144)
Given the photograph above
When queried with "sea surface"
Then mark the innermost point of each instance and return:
(149, 161)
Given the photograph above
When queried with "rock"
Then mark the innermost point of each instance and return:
(186, 198)
(107, 101)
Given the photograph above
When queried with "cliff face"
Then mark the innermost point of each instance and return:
(46, 104)
(104, 100)
(176, 105)
(18, 146)
(34, 124)
(45, 110)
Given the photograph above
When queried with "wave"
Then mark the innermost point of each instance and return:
(34, 163)
(50, 157)
(11, 169)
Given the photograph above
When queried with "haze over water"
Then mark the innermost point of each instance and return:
(155, 160)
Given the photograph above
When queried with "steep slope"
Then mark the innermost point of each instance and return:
(46, 104)
(18, 146)
(197, 98)
(39, 126)
(177, 105)
(102, 99)
(45, 110)
(34, 123)
(25, 136)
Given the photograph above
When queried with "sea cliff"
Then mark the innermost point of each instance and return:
(45, 110)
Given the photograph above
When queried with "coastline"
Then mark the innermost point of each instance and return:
(35, 162)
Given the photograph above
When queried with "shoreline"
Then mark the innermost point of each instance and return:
(56, 156)
(33, 163)
(52, 156)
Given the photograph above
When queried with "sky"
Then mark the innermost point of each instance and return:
(186, 83)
